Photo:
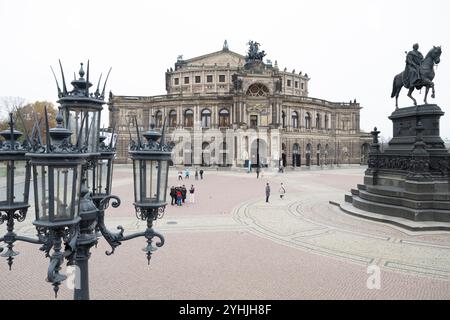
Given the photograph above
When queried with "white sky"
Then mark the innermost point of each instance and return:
(350, 49)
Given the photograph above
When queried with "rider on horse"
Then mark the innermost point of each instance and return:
(411, 76)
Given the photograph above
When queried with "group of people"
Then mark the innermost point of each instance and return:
(187, 174)
(179, 195)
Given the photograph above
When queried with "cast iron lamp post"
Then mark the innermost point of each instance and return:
(14, 185)
(72, 179)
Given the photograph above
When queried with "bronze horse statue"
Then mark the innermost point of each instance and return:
(426, 77)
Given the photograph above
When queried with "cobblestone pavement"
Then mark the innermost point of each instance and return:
(230, 244)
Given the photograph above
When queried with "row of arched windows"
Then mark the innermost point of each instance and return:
(188, 118)
(294, 120)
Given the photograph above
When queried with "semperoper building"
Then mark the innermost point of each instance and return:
(226, 109)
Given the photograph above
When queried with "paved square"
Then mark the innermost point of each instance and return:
(230, 244)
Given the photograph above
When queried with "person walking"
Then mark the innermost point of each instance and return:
(282, 191)
(173, 195)
(192, 194)
(267, 192)
(179, 197)
(183, 193)
(201, 174)
(180, 175)
(186, 173)
(196, 174)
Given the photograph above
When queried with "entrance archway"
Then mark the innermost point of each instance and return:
(188, 154)
(283, 154)
(223, 151)
(206, 154)
(308, 154)
(296, 162)
(258, 153)
(318, 154)
(364, 153)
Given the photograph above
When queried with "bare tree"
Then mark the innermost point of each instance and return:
(9, 104)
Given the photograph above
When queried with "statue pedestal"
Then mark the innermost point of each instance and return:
(411, 179)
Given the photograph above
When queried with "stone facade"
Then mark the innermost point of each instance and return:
(223, 111)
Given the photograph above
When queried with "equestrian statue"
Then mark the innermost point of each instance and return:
(419, 72)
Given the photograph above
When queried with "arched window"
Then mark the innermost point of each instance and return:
(224, 118)
(283, 118)
(308, 121)
(172, 118)
(257, 90)
(206, 118)
(189, 118)
(158, 119)
(326, 121)
(318, 118)
(294, 118)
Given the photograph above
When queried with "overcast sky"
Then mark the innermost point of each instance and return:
(350, 49)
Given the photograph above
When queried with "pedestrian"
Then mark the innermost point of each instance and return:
(257, 172)
(186, 173)
(201, 174)
(196, 174)
(267, 192)
(173, 195)
(179, 197)
(183, 193)
(191, 194)
(180, 175)
(282, 191)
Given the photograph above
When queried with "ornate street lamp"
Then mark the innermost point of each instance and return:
(14, 184)
(72, 179)
(151, 169)
(57, 191)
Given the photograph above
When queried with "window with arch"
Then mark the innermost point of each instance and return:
(189, 118)
(224, 118)
(326, 121)
(318, 118)
(283, 118)
(307, 121)
(172, 118)
(257, 90)
(158, 119)
(206, 118)
(294, 119)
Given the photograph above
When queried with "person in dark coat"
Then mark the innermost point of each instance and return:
(201, 174)
(173, 195)
(183, 192)
(267, 192)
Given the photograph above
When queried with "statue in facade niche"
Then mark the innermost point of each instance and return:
(419, 72)
(237, 83)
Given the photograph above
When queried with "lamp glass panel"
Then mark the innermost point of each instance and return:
(101, 185)
(20, 175)
(3, 182)
(89, 120)
(137, 164)
(64, 188)
(42, 192)
(163, 180)
(151, 171)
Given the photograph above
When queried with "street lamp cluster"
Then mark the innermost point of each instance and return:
(71, 175)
